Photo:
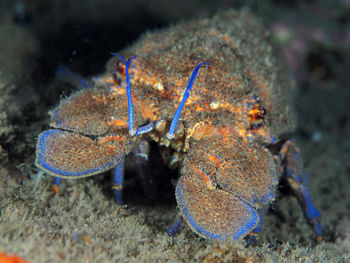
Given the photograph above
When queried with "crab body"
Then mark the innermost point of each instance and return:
(229, 141)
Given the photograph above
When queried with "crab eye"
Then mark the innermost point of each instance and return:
(121, 69)
(256, 116)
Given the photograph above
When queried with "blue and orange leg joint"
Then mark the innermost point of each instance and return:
(56, 184)
(118, 182)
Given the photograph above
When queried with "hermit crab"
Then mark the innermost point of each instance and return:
(214, 92)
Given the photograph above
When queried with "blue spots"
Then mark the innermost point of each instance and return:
(253, 100)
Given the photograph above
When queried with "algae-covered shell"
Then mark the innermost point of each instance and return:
(244, 62)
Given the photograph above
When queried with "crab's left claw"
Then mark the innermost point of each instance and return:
(219, 195)
(214, 214)
(70, 155)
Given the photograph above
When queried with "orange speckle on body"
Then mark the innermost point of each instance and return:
(215, 160)
(201, 130)
(119, 123)
(207, 180)
(145, 110)
(256, 114)
(224, 131)
(109, 138)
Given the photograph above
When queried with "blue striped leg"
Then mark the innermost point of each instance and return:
(118, 182)
(294, 176)
(174, 229)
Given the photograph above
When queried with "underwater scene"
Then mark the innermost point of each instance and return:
(174, 131)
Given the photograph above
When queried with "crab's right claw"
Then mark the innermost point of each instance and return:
(70, 155)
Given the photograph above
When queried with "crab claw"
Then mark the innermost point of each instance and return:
(214, 213)
(223, 189)
(71, 155)
(89, 111)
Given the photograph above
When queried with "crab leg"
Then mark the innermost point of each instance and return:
(174, 229)
(56, 184)
(118, 182)
(293, 173)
